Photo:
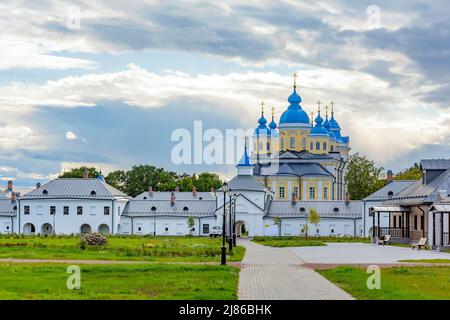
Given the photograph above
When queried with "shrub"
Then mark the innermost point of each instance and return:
(95, 239)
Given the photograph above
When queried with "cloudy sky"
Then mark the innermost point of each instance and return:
(106, 83)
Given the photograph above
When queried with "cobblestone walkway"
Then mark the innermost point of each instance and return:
(278, 274)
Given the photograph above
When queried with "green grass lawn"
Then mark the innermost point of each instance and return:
(289, 241)
(165, 249)
(428, 260)
(400, 283)
(151, 281)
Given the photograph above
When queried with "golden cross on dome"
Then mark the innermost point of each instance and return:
(326, 110)
(262, 106)
(332, 107)
(273, 111)
(246, 141)
(318, 105)
(312, 118)
(295, 79)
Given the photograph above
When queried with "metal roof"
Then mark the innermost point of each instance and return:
(419, 193)
(441, 208)
(165, 195)
(8, 208)
(3, 195)
(389, 209)
(294, 169)
(245, 182)
(326, 209)
(75, 188)
(435, 164)
(395, 187)
(196, 208)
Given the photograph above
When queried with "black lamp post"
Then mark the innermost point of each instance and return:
(230, 234)
(234, 220)
(223, 260)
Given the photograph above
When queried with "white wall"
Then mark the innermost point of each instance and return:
(93, 214)
(7, 225)
(170, 226)
(326, 227)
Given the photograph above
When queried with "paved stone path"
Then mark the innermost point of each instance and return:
(279, 274)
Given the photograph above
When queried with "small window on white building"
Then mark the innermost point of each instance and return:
(26, 210)
(106, 211)
(52, 210)
(66, 210)
(296, 192)
(325, 193)
(92, 210)
(79, 210)
(206, 228)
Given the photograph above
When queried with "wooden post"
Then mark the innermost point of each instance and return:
(434, 229)
(379, 231)
(373, 224)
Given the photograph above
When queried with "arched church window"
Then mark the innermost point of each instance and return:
(331, 148)
(268, 146)
(282, 143)
(260, 147)
(304, 142)
(324, 146)
(311, 146)
(292, 142)
(317, 145)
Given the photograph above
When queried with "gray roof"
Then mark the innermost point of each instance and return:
(75, 188)
(419, 193)
(395, 187)
(3, 195)
(196, 208)
(326, 209)
(165, 195)
(245, 182)
(295, 169)
(435, 164)
(8, 208)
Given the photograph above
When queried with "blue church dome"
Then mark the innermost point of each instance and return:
(327, 126)
(262, 128)
(294, 113)
(318, 129)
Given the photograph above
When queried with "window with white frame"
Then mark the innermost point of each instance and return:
(296, 192)
(325, 193)
(312, 192)
(292, 142)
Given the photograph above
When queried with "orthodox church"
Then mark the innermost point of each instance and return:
(300, 157)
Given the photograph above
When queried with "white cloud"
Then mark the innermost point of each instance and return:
(12, 137)
(71, 135)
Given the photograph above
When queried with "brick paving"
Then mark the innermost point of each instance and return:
(279, 274)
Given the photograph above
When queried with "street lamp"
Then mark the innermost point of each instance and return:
(223, 260)
(230, 237)
(234, 220)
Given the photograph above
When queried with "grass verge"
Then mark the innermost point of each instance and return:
(133, 248)
(288, 241)
(399, 283)
(155, 282)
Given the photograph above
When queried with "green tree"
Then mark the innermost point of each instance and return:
(277, 221)
(117, 179)
(207, 180)
(191, 224)
(363, 177)
(314, 217)
(141, 177)
(78, 173)
(413, 173)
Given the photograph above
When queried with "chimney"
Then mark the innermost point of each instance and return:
(86, 174)
(38, 185)
(389, 176)
(172, 199)
(13, 197)
(294, 199)
(150, 191)
(10, 185)
(194, 192)
(347, 198)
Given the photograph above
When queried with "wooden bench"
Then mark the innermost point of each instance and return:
(421, 244)
(385, 240)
